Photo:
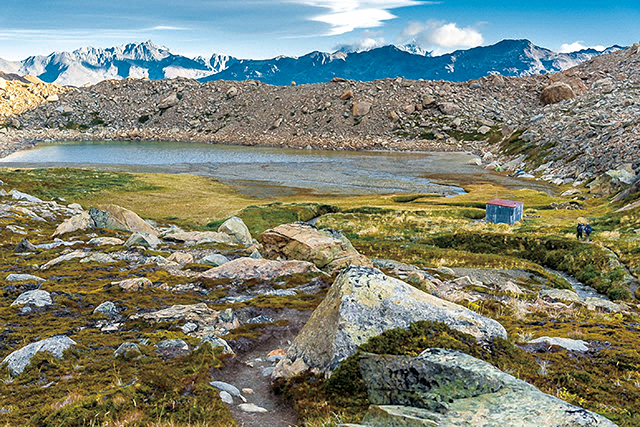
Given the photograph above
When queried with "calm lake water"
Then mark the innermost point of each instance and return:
(270, 172)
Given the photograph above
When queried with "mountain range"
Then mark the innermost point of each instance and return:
(90, 65)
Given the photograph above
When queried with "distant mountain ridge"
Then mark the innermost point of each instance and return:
(90, 65)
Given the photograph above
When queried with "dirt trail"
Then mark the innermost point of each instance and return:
(246, 371)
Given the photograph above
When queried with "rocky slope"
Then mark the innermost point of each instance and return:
(566, 127)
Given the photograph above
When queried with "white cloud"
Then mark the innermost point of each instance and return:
(344, 16)
(576, 46)
(370, 40)
(441, 37)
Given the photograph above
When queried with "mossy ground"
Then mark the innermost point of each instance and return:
(426, 230)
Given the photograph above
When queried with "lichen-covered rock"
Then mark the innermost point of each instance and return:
(128, 350)
(362, 303)
(24, 278)
(446, 387)
(20, 359)
(115, 217)
(329, 250)
(37, 297)
(65, 257)
(102, 241)
(237, 229)
(216, 342)
(107, 308)
(81, 221)
(244, 269)
(181, 258)
(200, 314)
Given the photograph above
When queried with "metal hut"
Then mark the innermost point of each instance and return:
(501, 211)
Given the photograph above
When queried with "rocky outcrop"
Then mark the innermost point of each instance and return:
(447, 387)
(115, 217)
(362, 303)
(243, 269)
(327, 249)
(196, 237)
(20, 359)
(207, 319)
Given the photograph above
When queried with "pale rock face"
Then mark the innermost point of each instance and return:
(327, 249)
(118, 218)
(143, 239)
(237, 229)
(362, 303)
(425, 391)
(81, 221)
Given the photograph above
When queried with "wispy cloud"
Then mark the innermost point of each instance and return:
(576, 46)
(344, 16)
(81, 35)
(369, 40)
(441, 36)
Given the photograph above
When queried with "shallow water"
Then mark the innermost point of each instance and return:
(270, 172)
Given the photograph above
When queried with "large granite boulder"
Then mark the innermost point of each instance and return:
(243, 269)
(329, 250)
(362, 303)
(237, 229)
(555, 93)
(81, 221)
(20, 359)
(118, 218)
(447, 387)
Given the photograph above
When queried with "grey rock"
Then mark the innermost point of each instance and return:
(189, 327)
(566, 343)
(362, 303)
(446, 387)
(215, 341)
(255, 255)
(267, 371)
(20, 359)
(101, 241)
(175, 344)
(143, 239)
(252, 408)
(214, 260)
(261, 319)
(128, 350)
(226, 397)
(62, 258)
(231, 389)
(107, 308)
(24, 246)
(99, 258)
(24, 278)
(37, 297)
(17, 195)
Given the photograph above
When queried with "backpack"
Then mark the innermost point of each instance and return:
(588, 229)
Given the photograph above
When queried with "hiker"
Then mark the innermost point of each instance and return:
(579, 230)
(587, 231)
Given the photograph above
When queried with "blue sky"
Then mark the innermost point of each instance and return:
(267, 28)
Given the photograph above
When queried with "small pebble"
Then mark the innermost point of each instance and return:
(250, 407)
(226, 397)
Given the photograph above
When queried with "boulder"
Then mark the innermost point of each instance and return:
(143, 239)
(362, 303)
(117, 218)
(199, 314)
(449, 388)
(17, 195)
(107, 308)
(133, 284)
(566, 343)
(128, 350)
(243, 269)
(347, 94)
(168, 102)
(81, 221)
(214, 260)
(555, 93)
(99, 258)
(327, 249)
(216, 342)
(181, 258)
(195, 237)
(237, 229)
(361, 108)
(20, 359)
(24, 246)
(103, 241)
(37, 297)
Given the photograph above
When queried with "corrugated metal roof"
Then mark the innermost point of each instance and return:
(505, 203)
